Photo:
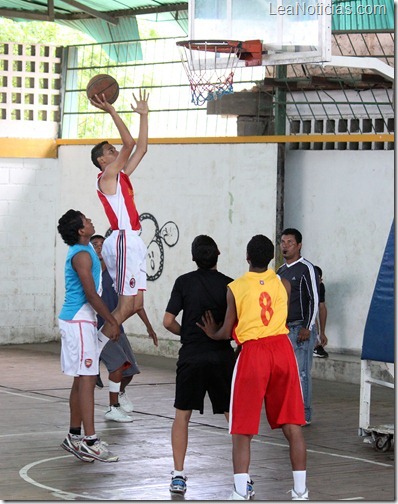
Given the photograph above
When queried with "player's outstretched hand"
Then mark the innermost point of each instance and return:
(153, 335)
(100, 102)
(141, 106)
(209, 325)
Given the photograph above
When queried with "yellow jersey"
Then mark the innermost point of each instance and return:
(261, 306)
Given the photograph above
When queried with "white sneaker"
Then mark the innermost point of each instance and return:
(125, 402)
(300, 496)
(235, 496)
(117, 414)
(97, 451)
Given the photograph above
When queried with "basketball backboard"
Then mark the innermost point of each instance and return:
(291, 31)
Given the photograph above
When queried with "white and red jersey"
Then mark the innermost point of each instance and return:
(120, 207)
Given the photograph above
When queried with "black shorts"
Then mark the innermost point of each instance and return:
(209, 372)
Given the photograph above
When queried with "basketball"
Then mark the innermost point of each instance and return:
(103, 84)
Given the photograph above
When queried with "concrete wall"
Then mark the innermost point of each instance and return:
(28, 205)
(341, 201)
(225, 190)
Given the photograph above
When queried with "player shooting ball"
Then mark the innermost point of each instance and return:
(124, 252)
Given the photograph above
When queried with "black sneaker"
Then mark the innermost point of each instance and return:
(99, 383)
(319, 351)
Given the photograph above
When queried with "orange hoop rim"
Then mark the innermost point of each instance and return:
(248, 50)
(222, 46)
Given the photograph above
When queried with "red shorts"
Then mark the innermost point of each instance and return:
(266, 372)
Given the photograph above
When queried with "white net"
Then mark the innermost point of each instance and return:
(210, 67)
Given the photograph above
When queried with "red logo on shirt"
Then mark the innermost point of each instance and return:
(88, 362)
(132, 282)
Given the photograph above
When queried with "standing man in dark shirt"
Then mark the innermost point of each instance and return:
(204, 365)
(303, 308)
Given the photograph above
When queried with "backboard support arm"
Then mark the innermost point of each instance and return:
(374, 64)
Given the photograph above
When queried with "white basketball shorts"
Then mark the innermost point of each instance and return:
(79, 347)
(124, 254)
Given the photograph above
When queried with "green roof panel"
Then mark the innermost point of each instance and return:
(362, 15)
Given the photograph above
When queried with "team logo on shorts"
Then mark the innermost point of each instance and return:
(88, 362)
(132, 282)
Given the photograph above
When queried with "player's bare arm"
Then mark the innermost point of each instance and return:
(151, 333)
(212, 329)
(171, 324)
(82, 263)
(115, 160)
(142, 109)
(322, 322)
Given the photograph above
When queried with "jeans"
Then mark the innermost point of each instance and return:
(304, 355)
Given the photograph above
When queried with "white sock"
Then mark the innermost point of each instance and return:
(299, 479)
(240, 482)
(178, 473)
(113, 386)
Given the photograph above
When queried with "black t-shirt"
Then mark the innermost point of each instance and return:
(194, 293)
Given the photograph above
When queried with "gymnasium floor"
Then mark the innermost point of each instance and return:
(34, 421)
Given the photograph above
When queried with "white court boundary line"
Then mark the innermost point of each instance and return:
(349, 457)
(19, 394)
(72, 496)
(55, 491)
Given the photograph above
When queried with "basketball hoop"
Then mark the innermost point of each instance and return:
(210, 65)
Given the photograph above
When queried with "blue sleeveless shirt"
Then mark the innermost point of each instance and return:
(75, 297)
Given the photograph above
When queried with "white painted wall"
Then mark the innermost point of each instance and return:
(27, 253)
(341, 201)
(227, 191)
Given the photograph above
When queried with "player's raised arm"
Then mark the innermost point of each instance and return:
(117, 159)
(142, 109)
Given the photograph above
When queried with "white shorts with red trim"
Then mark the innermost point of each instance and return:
(125, 254)
(79, 347)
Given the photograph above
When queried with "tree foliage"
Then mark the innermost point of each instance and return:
(40, 32)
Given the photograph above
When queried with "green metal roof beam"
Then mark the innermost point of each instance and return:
(92, 12)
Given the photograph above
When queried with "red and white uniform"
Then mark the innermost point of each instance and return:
(266, 370)
(123, 251)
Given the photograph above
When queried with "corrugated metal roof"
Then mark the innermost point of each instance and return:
(362, 15)
(104, 20)
(63, 9)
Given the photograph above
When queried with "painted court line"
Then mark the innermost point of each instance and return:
(55, 491)
(19, 394)
(69, 495)
(73, 496)
(330, 454)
